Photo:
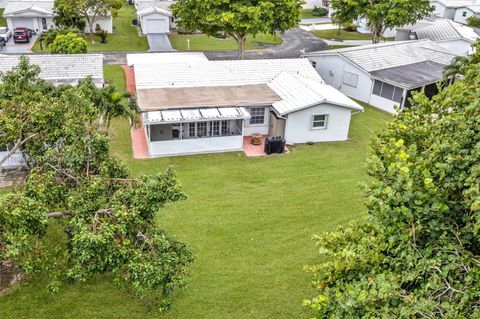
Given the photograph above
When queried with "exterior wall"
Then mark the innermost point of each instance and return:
(459, 47)
(35, 23)
(332, 67)
(250, 129)
(299, 125)
(382, 103)
(459, 15)
(154, 16)
(105, 24)
(13, 162)
(196, 146)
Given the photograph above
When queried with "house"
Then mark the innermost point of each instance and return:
(463, 13)
(38, 15)
(386, 74)
(451, 35)
(154, 16)
(191, 105)
(58, 70)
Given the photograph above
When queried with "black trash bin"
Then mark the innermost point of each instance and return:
(268, 146)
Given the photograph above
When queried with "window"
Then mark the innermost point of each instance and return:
(191, 129)
(224, 128)
(464, 13)
(388, 91)
(314, 64)
(201, 129)
(350, 79)
(258, 115)
(216, 128)
(319, 121)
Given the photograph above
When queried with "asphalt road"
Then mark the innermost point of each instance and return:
(295, 43)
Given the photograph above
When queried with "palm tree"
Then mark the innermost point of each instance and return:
(114, 105)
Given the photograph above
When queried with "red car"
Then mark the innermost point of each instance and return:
(22, 35)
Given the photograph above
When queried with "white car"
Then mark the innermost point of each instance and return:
(5, 33)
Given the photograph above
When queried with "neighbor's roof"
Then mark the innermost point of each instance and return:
(147, 4)
(474, 8)
(287, 84)
(387, 55)
(14, 7)
(411, 76)
(446, 29)
(60, 68)
(150, 10)
(176, 57)
(455, 3)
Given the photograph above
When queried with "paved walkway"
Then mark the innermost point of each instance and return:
(295, 43)
(18, 48)
(349, 42)
(316, 20)
(315, 27)
(159, 42)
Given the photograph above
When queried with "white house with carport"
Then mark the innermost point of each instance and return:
(451, 35)
(62, 69)
(384, 75)
(191, 105)
(463, 13)
(154, 16)
(38, 15)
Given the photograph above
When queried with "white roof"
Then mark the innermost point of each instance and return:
(61, 68)
(455, 3)
(187, 115)
(446, 29)
(387, 55)
(295, 81)
(175, 57)
(15, 7)
(298, 93)
(150, 10)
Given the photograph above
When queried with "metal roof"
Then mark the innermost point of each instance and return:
(196, 115)
(61, 68)
(387, 55)
(455, 3)
(411, 76)
(14, 7)
(445, 29)
(174, 57)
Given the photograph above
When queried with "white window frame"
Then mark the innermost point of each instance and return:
(325, 125)
(257, 124)
(352, 79)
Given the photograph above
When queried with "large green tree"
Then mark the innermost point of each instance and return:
(418, 255)
(238, 19)
(382, 14)
(90, 10)
(74, 184)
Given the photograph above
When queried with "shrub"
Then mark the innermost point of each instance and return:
(103, 34)
(69, 43)
(320, 11)
(473, 22)
(351, 27)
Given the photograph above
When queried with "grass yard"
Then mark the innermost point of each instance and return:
(344, 35)
(249, 221)
(125, 37)
(202, 42)
(307, 14)
(3, 21)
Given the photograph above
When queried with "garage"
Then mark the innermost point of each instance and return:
(156, 26)
(23, 23)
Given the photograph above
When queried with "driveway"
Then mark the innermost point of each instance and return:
(295, 43)
(316, 20)
(18, 48)
(159, 42)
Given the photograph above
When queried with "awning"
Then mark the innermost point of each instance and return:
(195, 115)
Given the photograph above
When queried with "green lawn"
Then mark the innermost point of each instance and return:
(201, 42)
(125, 37)
(307, 14)
(249, 221)
(333, 34)
(3, 21)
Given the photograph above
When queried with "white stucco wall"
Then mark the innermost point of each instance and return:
(250, 129)
(459, 47)
(105, 24)
(382, 103)
(459, 15)
(299, 129)
(332, 68)
(154, 16)
(196, 146)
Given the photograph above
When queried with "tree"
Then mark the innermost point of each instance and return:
(461, 65)
(66, 17)
(473, 21)
(237, 19)
(418, 254)
(108, 217)
(383, 14)
(90, 10)
(69, 43)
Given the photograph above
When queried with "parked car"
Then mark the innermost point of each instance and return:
(2, 43)
(5, 33)
(22, 35)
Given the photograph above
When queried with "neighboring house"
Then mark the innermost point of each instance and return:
(58, 70)
(465, 12)
(191, 105)
(451, 35)
(3, 3)
(386, 74)
(38, 15)
(154, 16)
